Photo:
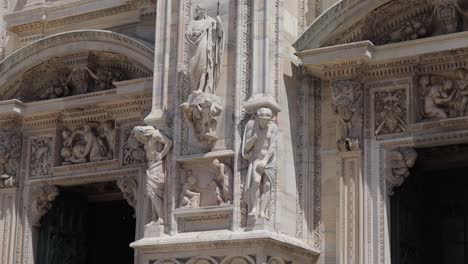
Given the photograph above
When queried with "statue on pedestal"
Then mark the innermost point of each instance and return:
(259, 149)
(157, 146)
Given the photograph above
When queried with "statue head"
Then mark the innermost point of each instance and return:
(264, 116)
(216, 163)
(448, 85)
(200, 13)
(345, 108)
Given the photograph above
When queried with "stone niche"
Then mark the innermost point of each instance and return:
(93, 141)
(204, 189)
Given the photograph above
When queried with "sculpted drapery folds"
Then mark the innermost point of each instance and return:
(206, 40)
(347, 104)
(157, 146)
(259, 149)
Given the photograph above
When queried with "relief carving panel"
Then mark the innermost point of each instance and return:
(41, 156)
(10, 154)
(390, 111)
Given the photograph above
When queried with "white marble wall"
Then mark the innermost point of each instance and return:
(8, 225)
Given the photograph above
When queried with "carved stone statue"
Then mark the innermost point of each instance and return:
(157, 146)
(222, 181)
(91, 142)
(259, 149)
(446, 16)
(347, 105)
(202, 112)
(189, 197)
(206, 39)
(399, 162)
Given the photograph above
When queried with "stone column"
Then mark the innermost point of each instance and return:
(351, 208)
(3, 26)
(264, 68)
(162, 64)
(8, 225)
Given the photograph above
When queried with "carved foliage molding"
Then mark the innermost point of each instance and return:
(129, 188)
(41, 156)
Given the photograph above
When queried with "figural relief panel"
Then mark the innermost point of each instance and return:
(89, 142)
(10, 154)
(390, 111)
(443, 95)
(205, 183)
(40, 156)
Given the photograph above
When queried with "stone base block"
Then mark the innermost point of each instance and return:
(154, 229)
(226, 247)
(254, 223)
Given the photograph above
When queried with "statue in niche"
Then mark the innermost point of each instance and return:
(206, 40)
(347, 105)
(222, 179)
(189, 196)
(259, 149)
(92, 142)
(157, 146)
(205, 36)
(202, 112)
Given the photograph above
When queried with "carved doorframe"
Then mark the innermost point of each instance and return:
(379, 220)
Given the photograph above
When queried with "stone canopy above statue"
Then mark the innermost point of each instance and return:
(75, 74)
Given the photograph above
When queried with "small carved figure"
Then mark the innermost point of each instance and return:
(189, 197)
(222, 180)
(202, 111)
(107, 133)
(259, 149)
(10, 152)
(206, 39)
(94, 149)
(437, 98)
(157, 146)
(7, 180)
(400, 162)
(462, 84)
(347, 106)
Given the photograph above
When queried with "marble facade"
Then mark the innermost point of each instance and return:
(239, 131)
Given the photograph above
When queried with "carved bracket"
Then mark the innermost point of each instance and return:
(399, 163)
(42, 198)
(129, 188)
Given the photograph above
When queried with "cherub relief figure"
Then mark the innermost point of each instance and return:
(189, 197)
(259, 149)
(438, 97)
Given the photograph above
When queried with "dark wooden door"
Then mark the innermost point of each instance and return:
(62, 237)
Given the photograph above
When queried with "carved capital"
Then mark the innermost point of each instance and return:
(399, 163)
(42, 198)
(129, 188)
(347, 104)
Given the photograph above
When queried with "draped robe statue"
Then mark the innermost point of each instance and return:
(206, 40)
(157, 146)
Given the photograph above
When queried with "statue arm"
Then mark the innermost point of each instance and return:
(87, 149)
(219, 28)
(167, 144)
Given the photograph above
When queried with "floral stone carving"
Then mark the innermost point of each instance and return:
(90, 142)
(347, 104)
(157, 146)
(41, 156)
(259, 149)
(10, 153)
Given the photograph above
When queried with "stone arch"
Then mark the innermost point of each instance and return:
(202, 260)
(238, 260)
(71, 45)
(381, 22)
